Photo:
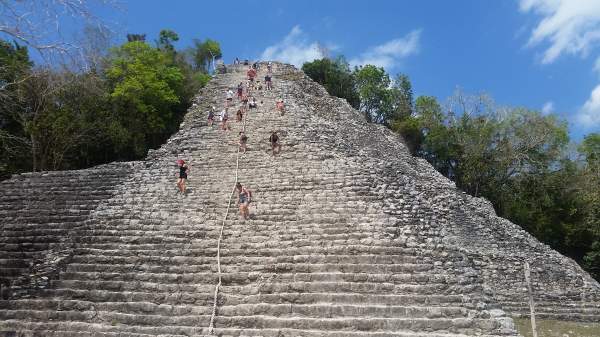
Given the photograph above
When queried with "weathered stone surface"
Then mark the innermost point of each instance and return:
(350, 236)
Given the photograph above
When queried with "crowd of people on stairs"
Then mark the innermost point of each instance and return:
(246, 102)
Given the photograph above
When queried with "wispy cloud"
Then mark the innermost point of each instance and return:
(548, 108)
(295, 49)
(390, 54)
(589, 114)
(569, 26)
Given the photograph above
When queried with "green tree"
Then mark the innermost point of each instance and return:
(402, 98)
(15, 67)
(425, 125)
(336, 77)
(590, 193)
(165, 41)
(145, 89)
(372, 85)
(591, 261)
(204, 52)
(590, 148)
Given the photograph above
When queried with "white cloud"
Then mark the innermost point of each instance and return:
(294, 49)
(589, 114)
(389, 54)
(548, 108)
(570, 26)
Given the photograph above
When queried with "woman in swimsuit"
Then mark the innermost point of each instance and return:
(183, 171)
(244, 199)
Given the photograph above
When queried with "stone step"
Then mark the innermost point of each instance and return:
(245, 278)
(273, 287)
(80, 329)
(189, 323)
(206, 299)
(253, 242)
(76, 333)
(203, 248)
(191, 260)
(278, 310)
(279, 267)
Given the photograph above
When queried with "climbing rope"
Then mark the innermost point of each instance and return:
(211, 327)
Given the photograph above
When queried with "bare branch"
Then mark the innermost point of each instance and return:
(38, 23)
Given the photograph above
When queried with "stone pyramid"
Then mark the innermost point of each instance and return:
(349, 236)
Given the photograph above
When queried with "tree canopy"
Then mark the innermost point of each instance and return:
(131, 99)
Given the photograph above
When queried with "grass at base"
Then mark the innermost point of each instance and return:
(552, 328)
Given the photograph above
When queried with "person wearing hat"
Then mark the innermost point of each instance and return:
(183, 172)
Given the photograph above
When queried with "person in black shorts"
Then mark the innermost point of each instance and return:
(274, 140)
(211, 116)
(244, 199)
(268, 82)
(183, 172)
(243, 142)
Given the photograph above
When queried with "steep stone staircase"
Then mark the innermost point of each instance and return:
(349, 236)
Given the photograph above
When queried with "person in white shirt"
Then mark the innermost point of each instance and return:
(224, 116)
(229, 97)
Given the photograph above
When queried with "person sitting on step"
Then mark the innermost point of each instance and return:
(252, 104)
(244, 199)
(243, 142)
(274, 140)
(183, 172)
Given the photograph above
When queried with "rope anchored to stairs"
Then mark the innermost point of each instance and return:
(211, 327)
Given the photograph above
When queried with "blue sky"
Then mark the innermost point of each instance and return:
(542, 54)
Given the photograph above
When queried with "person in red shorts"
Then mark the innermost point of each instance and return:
(251, 74)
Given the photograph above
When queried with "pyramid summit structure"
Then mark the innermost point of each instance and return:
(349, 235)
